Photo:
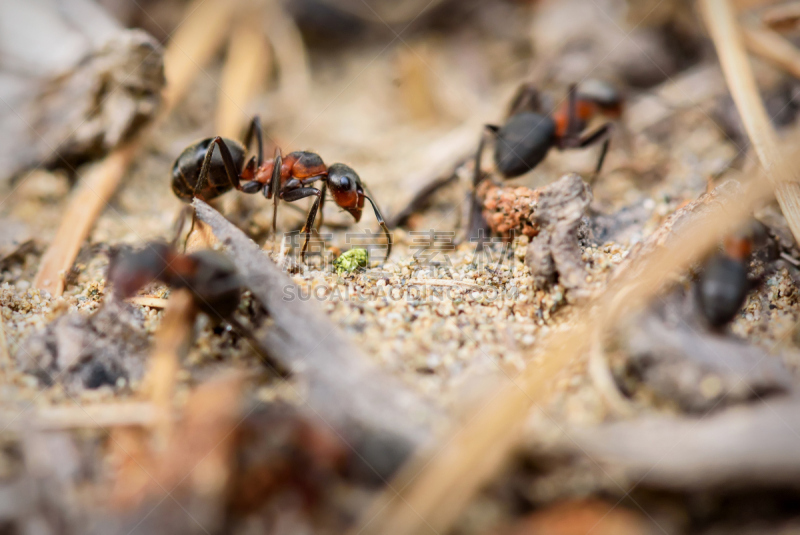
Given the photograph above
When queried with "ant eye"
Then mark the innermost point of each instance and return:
(344, 182)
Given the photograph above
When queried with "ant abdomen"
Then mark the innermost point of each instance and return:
(722, 289)
(523, 142)
(186, 170)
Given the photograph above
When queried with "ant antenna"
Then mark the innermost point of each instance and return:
(379, 217)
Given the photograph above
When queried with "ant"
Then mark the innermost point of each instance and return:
(206, 174)
(723, 285)
(528, 135)
(209, 275)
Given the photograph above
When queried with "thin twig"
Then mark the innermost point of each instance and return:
(722, 24)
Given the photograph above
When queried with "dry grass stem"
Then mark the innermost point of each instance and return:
(782, 17)
(290, 53)
(193, 46)
(774, 48)
(89, 199)
(438, 484)
(171, 342)
(248, 61)
(94, 416)
(722, 24)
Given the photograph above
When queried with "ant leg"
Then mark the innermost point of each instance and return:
(525, 99)
(227, 160)
(602, 132)
(296, 195)
(324, 190)
(274, 188)
(255, 129)
(251, 186)
(477, 225)
(379, 217)
(572, 113)
(267, 357)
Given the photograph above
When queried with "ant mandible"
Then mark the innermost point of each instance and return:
(202, 172)
(528, 135)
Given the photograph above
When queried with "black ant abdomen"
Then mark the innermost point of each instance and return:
(522, 143)
(187, 167)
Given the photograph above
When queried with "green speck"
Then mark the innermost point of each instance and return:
(351, 260)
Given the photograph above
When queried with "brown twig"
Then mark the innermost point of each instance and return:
(171, 342)
(450, 153)
(345, 389)
(722, 24)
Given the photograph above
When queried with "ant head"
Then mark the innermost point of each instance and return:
(129, 270)
(346, 189)
(604, 95)
(739, 244)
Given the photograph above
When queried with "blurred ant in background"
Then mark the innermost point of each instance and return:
(528, 134)
(723, 285)
(206, 174)
(209, 275)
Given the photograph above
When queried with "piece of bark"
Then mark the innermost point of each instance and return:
(699, 370)
(383, 419)
(75, 83)
(752, 447)
(557, 215)
(83, 351)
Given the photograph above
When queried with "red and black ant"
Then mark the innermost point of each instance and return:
(206, 174)
(209, 275)
(528, 135)
(723, 285)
